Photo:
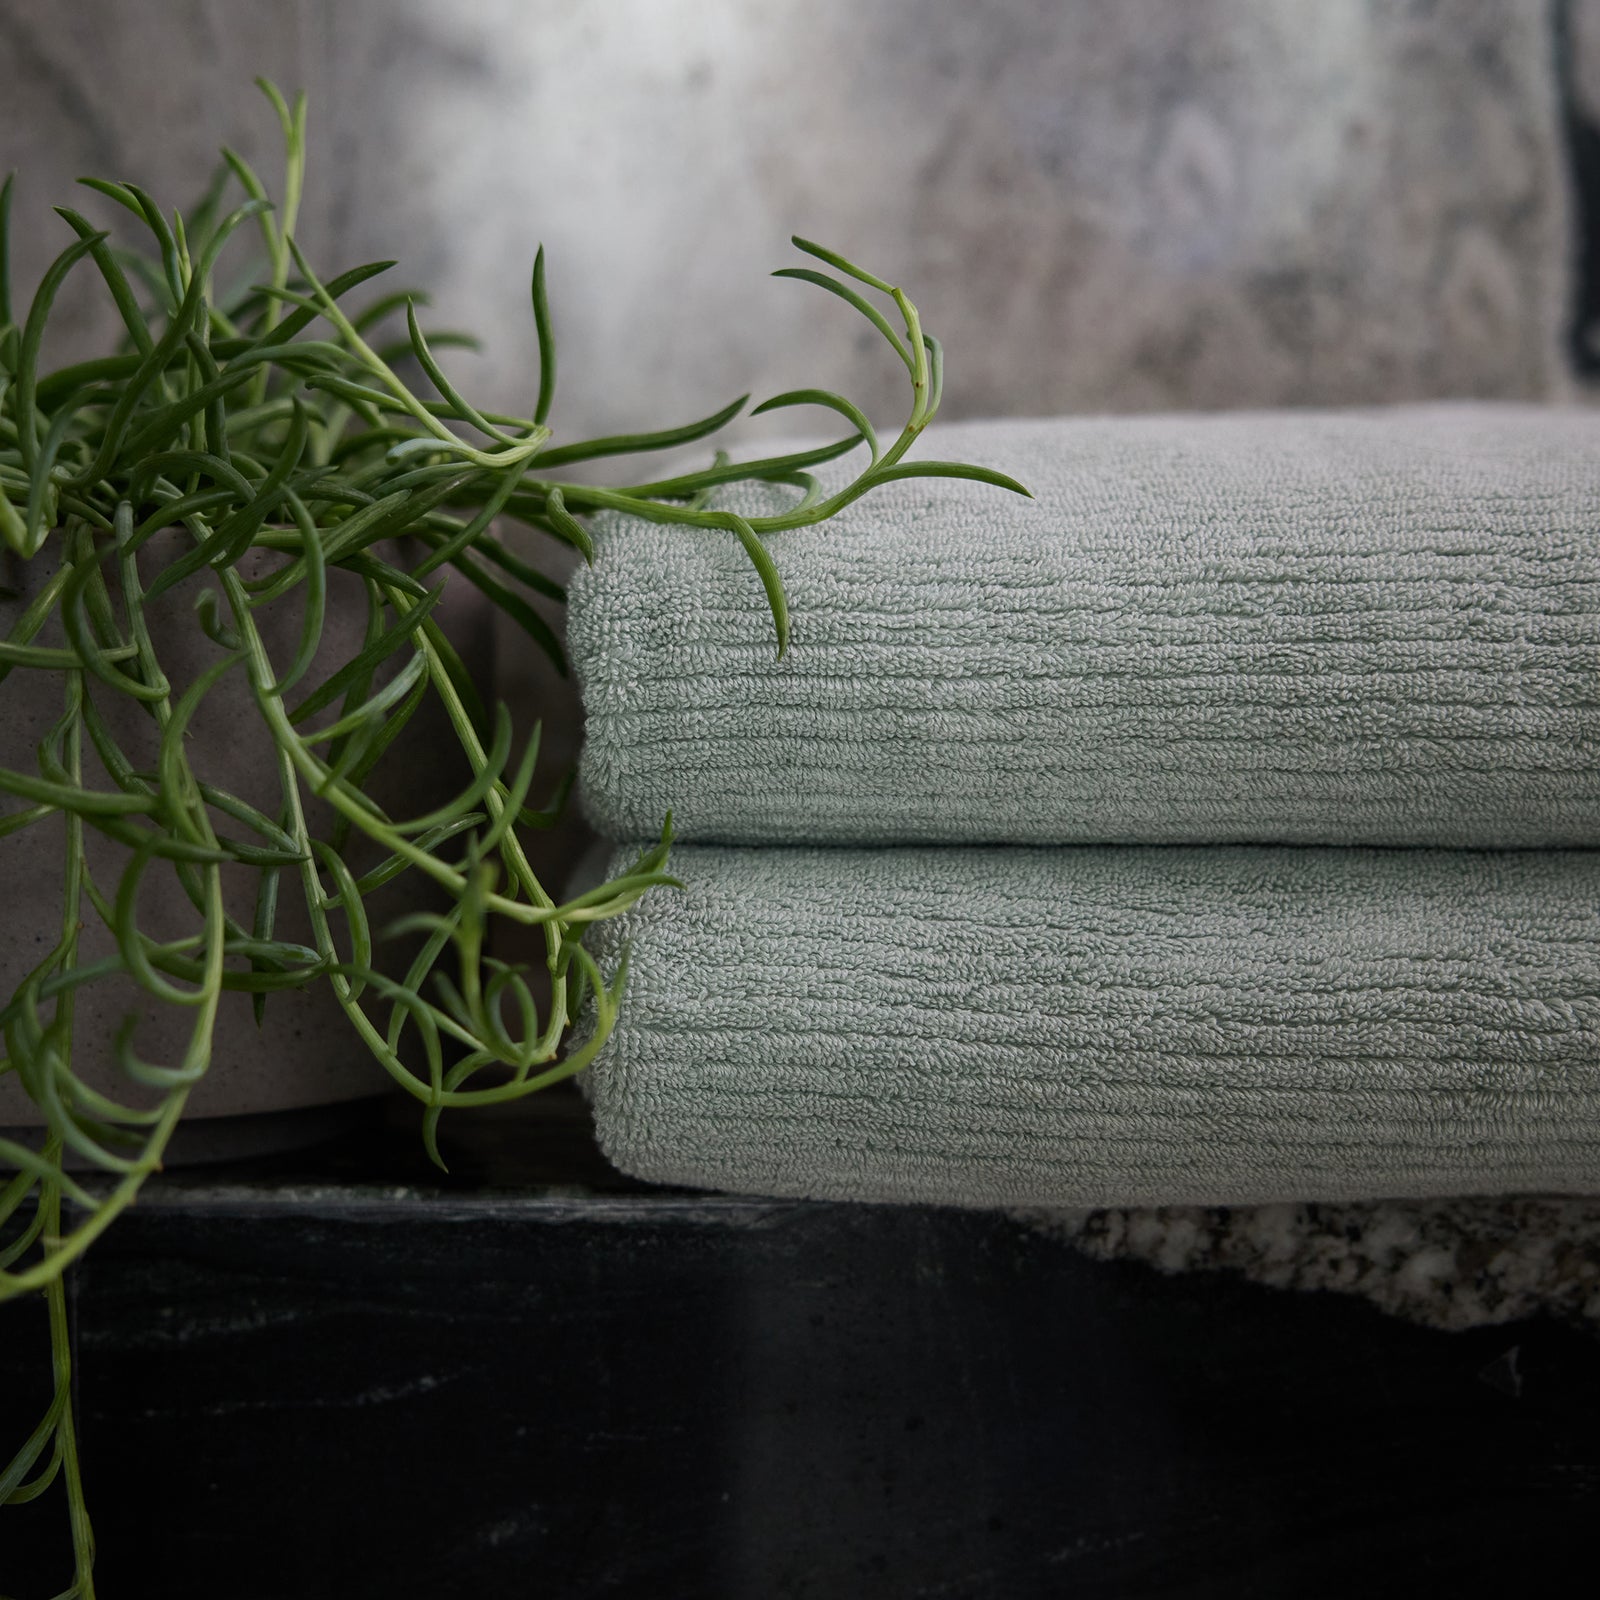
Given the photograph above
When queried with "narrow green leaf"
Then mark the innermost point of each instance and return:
(771, 583)
(116, 280)
(483, 781)
(183, 320)
(5, 248)
(567, 525)
(636, 443)
(730, 472)
(547, 341)
(78, 623)
(379, 739)
(847, 409)
(310, 309)
(386, 305)
(263, 920)
(82, 375)
(851, 298)
(835, 260)
(72, 797)
(492, 550)
(376, 651)
(134, 199)
(25, 401)
(456, 543)
(314, 615)
(440, 339)
(464, 411)
(18, 820)
(179, 795)
(42, 493)
(936, 366)
(514, 795)
(348, 899)
(517, 609)
(552, 813)
(374, 705)
(132, 945)
(233, 537)
(949, 469)
(455, 669)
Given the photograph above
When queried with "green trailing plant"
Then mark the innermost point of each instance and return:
(254, 447)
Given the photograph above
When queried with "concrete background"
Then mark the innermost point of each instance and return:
(1107, 205)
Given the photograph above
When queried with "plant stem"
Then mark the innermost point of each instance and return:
(66, 1430)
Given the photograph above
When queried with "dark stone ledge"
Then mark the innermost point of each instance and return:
(334, 1374)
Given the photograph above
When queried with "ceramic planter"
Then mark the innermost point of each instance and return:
(305, 1055)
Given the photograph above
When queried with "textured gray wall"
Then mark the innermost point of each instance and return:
(1151, 203)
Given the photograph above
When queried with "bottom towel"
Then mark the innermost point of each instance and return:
(1109, 1026)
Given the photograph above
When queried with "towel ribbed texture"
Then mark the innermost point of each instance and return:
(1101, 1026)
(1377, 627)
(1127, 755)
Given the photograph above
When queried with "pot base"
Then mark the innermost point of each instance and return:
(201, 1141)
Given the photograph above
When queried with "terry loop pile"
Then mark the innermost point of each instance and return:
(1377, 627)
(1122, 1025)
(1208, 651)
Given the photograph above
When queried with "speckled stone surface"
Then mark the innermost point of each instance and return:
(1445, 1263)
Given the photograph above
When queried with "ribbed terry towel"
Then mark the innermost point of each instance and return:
(1109, 1026)
(1362, 627)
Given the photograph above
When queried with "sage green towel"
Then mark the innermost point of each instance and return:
(1363, 627)
(1109, 1026)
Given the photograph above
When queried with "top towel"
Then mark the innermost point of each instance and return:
(1358, 627)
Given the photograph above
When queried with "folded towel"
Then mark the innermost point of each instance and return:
(1363, 627)
(1109, 1026)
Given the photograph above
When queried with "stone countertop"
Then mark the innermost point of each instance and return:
(1450, 1264)
(374, 1379)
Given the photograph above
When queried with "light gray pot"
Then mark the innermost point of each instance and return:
(305, 1055)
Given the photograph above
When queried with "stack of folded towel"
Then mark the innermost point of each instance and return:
(1217, 827)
